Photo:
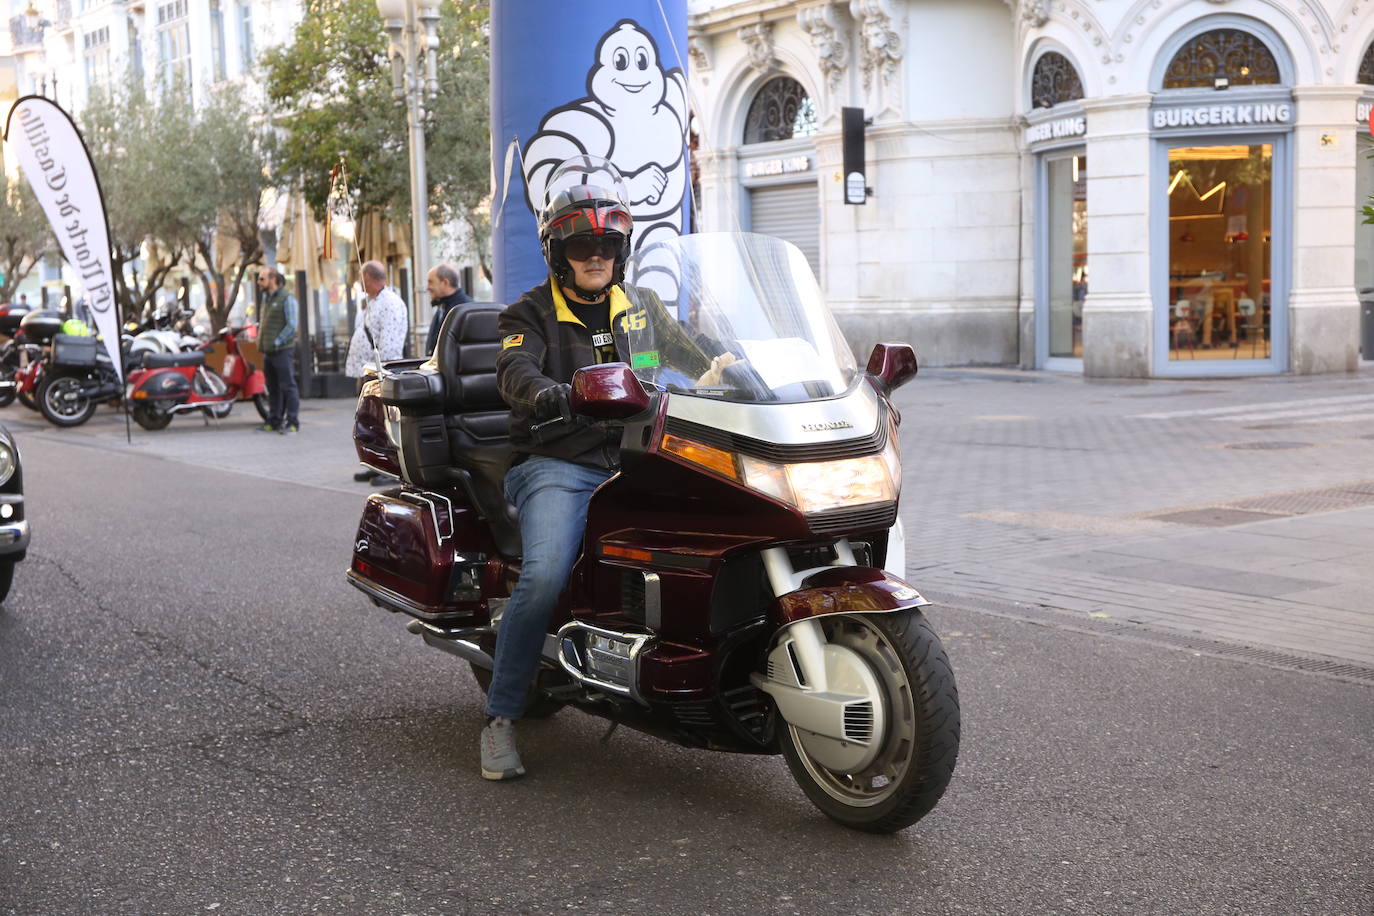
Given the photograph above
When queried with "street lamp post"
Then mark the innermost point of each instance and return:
(410, 24)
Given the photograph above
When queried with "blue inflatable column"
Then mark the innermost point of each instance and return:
(605, 80)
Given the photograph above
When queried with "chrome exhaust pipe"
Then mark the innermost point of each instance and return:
(458, 641)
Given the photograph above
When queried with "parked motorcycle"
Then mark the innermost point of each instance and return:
(11, 348)
(31, 352)
(79, 376)
(740, 586)
(168, 384)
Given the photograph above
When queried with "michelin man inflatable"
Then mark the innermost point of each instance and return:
(635, 116)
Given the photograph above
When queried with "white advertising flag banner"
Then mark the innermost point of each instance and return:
(54, 159)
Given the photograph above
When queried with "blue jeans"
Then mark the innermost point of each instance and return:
(552, 497)
(284, 399)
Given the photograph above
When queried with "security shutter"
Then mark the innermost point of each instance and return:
(791, 212)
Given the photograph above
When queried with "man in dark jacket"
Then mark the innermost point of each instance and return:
(444, 294)
(578, 317)
(277, 342)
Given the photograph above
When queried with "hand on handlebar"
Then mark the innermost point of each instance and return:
(553, 402)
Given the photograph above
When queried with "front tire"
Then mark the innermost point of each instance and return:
(6, 578)
(263, 406)
(61, 402)
(921, 738)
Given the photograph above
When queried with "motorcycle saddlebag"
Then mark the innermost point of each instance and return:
(424, 555)
(70, 350)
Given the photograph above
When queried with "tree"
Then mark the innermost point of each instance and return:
(128, 144)
(230, 146)
(25, 238)
(332, 89)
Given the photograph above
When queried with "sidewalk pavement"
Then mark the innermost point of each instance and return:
(1238, 510)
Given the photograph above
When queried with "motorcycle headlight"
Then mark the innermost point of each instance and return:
(7, 463)
(810, 486)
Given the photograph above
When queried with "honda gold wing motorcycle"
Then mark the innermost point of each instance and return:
(740, 586)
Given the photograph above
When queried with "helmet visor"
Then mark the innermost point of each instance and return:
(586, 247)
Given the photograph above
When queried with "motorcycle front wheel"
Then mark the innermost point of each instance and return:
(61, 402)
(263, 406)
(912, 769)
(6, 396)
(27, 399)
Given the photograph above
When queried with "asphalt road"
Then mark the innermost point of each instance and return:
(200, 716)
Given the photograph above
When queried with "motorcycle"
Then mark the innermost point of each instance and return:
(11, 349)
(168, 384)
(79, 375)
(740, 585)
(30, 352)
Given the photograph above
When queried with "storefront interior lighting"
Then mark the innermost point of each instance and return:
(1178, 176)
(1214, 190)
(1075, 169)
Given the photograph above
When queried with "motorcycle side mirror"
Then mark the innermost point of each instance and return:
(892, 364)
(608, 392)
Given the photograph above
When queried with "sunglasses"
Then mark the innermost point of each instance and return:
(582, 248)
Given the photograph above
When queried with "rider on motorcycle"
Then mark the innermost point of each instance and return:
(578, 317)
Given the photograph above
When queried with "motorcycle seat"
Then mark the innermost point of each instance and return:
(166, 360)
(476, 419)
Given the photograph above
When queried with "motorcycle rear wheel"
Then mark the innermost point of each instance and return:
(921, 738)
(6, 396)
(26, 398)
(537, 704)
(61, 402)
(264, 407)
(148, 417)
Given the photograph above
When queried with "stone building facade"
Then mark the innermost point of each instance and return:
(1124, 188)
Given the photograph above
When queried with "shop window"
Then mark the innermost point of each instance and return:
(1055, 80)
(1220, 251)
(781, 110)
(1222, 58)
(1367, 67)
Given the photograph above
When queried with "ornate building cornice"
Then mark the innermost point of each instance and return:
(879, 42)
(830, 37)
(758, 38)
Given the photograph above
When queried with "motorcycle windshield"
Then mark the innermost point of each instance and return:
(733, 316)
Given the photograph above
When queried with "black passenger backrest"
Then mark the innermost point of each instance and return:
(465, 354)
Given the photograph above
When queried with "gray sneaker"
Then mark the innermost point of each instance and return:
(500, 759)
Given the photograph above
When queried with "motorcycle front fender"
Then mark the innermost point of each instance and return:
(847, 590)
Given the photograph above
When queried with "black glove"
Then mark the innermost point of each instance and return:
(553, 402)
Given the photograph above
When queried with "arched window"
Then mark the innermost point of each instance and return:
(1055, 80)
(1232, 55)
(1367, 67)
(781, 110)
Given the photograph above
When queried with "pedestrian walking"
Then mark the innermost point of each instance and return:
(277, 341)
(444, 294)
(380, 335)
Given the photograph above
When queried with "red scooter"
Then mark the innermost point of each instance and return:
(172, 383)
(740, 584)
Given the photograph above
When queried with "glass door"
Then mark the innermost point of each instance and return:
(1063, 273)
(1221, 294)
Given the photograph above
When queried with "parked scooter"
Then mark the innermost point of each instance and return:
(740, 585)
(168, 384)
